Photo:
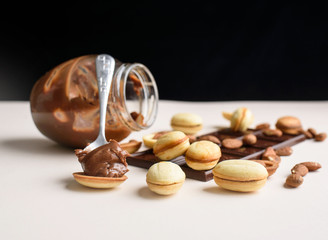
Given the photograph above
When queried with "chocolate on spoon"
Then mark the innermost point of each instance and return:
(104, 163)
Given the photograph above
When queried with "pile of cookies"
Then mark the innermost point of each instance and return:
(203, 153)
(199, 155)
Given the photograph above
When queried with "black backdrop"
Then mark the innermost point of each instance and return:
(196, 51)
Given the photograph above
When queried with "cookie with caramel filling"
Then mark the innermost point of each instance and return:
(203, 155)
(188, 123)
(165, 178)
(289, 124)
(240, 175)
(171, 145)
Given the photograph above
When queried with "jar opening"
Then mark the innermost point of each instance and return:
(138, 94)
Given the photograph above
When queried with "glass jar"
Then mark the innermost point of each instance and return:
(65, 107)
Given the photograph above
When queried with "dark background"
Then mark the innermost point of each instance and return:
(196, 51)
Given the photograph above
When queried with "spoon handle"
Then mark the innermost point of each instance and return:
(105, 65)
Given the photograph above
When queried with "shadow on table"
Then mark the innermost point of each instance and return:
(36, 146)
(221, 191)
(74, 186)
(145, 193)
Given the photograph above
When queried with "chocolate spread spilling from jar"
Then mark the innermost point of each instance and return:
(108, 160)
(65, 105)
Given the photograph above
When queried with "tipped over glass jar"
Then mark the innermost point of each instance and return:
(65, 106)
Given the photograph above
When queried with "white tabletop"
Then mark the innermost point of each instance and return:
(39, 198)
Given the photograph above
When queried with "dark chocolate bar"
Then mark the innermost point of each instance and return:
(146, 158)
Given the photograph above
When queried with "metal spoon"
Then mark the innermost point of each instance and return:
(105, 65)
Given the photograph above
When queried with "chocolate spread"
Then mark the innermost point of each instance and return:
(108, 160)
(65, 106)
(137, 85)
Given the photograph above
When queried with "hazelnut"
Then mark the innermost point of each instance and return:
(320, 137)
(307, 134)
(210, 138)
(249, 139)
(294, 180)
(312, 131)
(300, 169)
(232, 143)
(272, 132)
(284, 151)
(262, 126)
(311, 166)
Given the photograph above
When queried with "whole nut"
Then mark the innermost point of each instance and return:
(312, 131)
(262, 126)
(311, 166)
(232, 143)
(307, 134)
(320, 137)
(284, 151)
(294, 180)
(249, 139)
(300, 169)
(272, 132)
(210, 138)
